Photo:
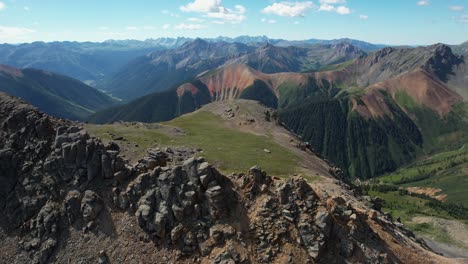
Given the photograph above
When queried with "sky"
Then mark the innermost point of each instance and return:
(396, 22)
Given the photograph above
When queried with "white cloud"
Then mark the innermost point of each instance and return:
(240, 9)
(2, 5)
(457, 8)
(215, 9)
(289, 9)
(423, 3)
(330, 6)
(269, 21)
(326, 7)
(343, 10)
(333, 1)
(296, 22)
(26, 8)
(165, 12)
(363, 17)
(202, 6)
(166, 26)
(183, 26)
(149, 27)
(132, 28)
(195, 19)
(14, 34)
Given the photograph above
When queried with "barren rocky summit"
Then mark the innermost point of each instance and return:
(65, 197)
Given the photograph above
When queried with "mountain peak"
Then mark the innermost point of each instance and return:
(442, 61)
(196, 44)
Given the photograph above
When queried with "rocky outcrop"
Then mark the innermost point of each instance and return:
(57, 180)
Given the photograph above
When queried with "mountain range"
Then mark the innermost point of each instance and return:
(53, 93)
(159, 71)
(86, 61)
(389, 106)
(97, 61)
(233, 150)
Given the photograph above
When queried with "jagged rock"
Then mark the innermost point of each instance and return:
(102, 257)
(91, 205)
(112, 146)
(221, 232)
(176, 233)
(72, 206)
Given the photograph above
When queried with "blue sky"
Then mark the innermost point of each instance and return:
(413, 22)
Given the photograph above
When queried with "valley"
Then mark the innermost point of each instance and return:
(233, 150)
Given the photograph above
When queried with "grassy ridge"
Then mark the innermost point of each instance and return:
(230, 150)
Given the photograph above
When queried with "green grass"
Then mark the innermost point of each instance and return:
(447, 171)
(138, 137)
(336, 67)
(406, 206)
(231, 150)
(227, 149)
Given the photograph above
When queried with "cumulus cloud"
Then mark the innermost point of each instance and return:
(215, 9)
(2, 6)
(423, 3)
(330, 6)
(183, 26)
(289, 9)
(132, 28)
(343, 10)
(363, 17)
(457, 8)
(333, 2)
(202, 6)
(326, 7)
(166, 26)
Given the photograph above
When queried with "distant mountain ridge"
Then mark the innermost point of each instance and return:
(55, 94)
(86, 61)
(161, 70)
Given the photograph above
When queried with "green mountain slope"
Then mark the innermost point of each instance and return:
(52, 93)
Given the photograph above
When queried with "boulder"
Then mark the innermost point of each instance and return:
(91, 206)
(72, 205)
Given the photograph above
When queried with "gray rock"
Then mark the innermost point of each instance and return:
(91, 205)
(72, 206)
(176, 233)
(106, 168)
(323, 220)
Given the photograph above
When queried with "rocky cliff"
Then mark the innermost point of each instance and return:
(68, 198)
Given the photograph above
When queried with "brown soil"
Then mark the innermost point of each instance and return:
(430, 192)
